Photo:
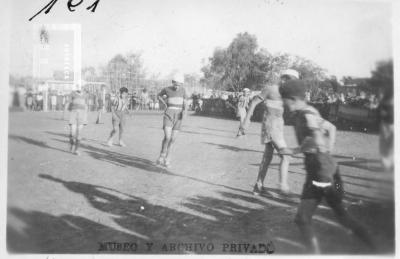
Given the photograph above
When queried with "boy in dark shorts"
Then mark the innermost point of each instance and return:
(119, 110)
(176, 109)
(316, 137)
(78, 118)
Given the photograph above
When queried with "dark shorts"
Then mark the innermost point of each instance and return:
(78, 117)
(173, 119)
(334, 192)
(118, 119)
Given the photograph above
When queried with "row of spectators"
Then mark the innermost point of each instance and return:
(370, 101)
(56, 102)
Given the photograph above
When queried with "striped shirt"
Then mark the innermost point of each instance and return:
(120, 104)
(175, 97)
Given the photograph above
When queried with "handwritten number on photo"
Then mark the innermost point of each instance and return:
(71, 7)
(93, 6)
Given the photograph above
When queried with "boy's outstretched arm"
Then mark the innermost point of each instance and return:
(254, 102)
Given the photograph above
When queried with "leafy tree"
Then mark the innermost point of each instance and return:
(243, 65)
(231, 68)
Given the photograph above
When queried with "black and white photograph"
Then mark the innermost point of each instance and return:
(181, 127)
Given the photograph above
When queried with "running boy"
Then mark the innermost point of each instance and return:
(173, 116)
(271, 130)
(316, 137)
(119, 110)
(78, 118)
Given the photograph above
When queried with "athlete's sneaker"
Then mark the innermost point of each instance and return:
(77, 153)
(110, 142)
(160, 160)
(167, 163)
(122, 144)
(257, 190)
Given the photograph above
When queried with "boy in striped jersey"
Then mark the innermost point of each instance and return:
(176, 110)
(119, 109)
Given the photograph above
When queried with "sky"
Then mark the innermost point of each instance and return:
(345, 37)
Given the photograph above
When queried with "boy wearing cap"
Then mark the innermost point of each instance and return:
(175, 101)
(78, 118)
(316, 137)
(271, 130)
(119, 109)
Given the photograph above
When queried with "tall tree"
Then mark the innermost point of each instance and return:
(231, 68)
(243, 65)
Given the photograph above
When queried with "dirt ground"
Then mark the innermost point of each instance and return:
(116, 200)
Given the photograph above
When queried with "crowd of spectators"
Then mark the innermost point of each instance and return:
(362, 99)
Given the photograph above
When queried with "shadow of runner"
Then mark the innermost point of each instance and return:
(137, 162)
(34, 142)
(163, 225)
(231, 218)
(229, 131)
(46, 233)
(121, 159)
(232, 148)
(244, 223)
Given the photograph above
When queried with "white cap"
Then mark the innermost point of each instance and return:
(246, 90)
(179, 78)
(290, 72)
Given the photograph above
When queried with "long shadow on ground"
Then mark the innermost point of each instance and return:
(232, 148)
(46, 233)
(218, 218)
(121, 159)
(223, 218)
(34, 142)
